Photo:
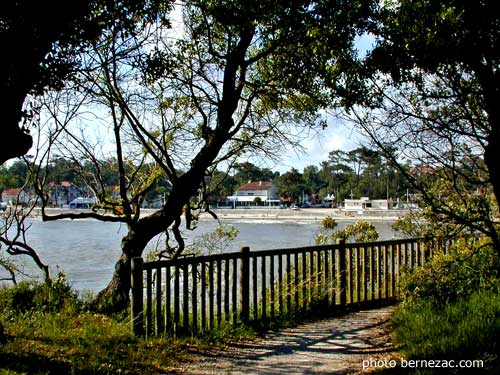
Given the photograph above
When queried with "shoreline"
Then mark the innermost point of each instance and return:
(308, 214)
(264, 213)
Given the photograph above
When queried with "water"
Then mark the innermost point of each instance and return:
(86, 250)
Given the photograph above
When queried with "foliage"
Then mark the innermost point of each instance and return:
(450, 307)
(433, 82)
(468, 328)
(360, 231)
(30, 296)
(446, 212)
(471, 265)
(328, 223)
(290, 185)
(43, 44)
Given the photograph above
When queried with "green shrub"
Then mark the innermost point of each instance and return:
(30, 296)
(468, 328)
(468, 267)
(360, 231)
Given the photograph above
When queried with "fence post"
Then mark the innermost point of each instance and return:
(137, 296)
(342, 272)
(245, 284)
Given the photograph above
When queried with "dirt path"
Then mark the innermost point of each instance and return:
(333, 346)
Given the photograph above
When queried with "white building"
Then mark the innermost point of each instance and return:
(82, 202)
(17, 195)
(365, 203)
(255, 194)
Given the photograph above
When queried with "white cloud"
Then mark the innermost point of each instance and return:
(337, 136)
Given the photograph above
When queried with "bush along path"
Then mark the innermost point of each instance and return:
(333, 346)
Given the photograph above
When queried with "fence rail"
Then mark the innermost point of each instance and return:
(197, 294)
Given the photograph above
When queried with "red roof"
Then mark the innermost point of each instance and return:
(257, 185)
(422, 169)
(12, 192)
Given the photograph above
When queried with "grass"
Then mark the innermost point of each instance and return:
(468, 328)
(85, 343)
(48, 330)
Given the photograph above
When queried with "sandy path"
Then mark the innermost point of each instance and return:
(333, 346)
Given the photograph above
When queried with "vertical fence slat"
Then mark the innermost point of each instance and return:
(271, 287)
(296, 281)
(342, 273)
(327, 287)
(158, 313)
(263, 286)
(289, 284)
(137, 302)
(399, 260)
(386, 273)
(412, 255)
(226, 290)
(349, 274)
(255, 289)
(404, 250)
(176, 298)
(235, 291)
(334, 275)
(312, 277)
(203, 277)
(194, 298)
(365, 273)
(379, 271)
(149, 304)
(168, 302)
(280, 283)
(219, 292)
(304, 281)
(393, 271)
(245, 284)
(185, 298)
(356, 271)
(211, 295)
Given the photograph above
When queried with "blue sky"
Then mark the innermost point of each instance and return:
(317, 146)
(337, 136)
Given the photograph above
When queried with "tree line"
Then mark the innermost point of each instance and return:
(346, 174)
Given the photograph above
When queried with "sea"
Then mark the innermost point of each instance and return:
(86, 250)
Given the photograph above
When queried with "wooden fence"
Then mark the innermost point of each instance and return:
(197, 294)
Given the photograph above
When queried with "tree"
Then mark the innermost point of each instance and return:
(435, 97)
(240, 78)
(249, 172)
(290, 185)
(312, 179)
(42, 41)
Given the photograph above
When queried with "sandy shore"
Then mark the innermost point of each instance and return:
(285, 214)
(313, 214)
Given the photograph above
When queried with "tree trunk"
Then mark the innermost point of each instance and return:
(16, 141)
(115, 297)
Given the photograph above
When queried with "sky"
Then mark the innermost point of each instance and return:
(317, 146)
(338, 135)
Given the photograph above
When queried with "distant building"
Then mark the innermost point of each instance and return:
(365, 203)
(255, 193)
(81, 202)
(62, 194)
(17, 195)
